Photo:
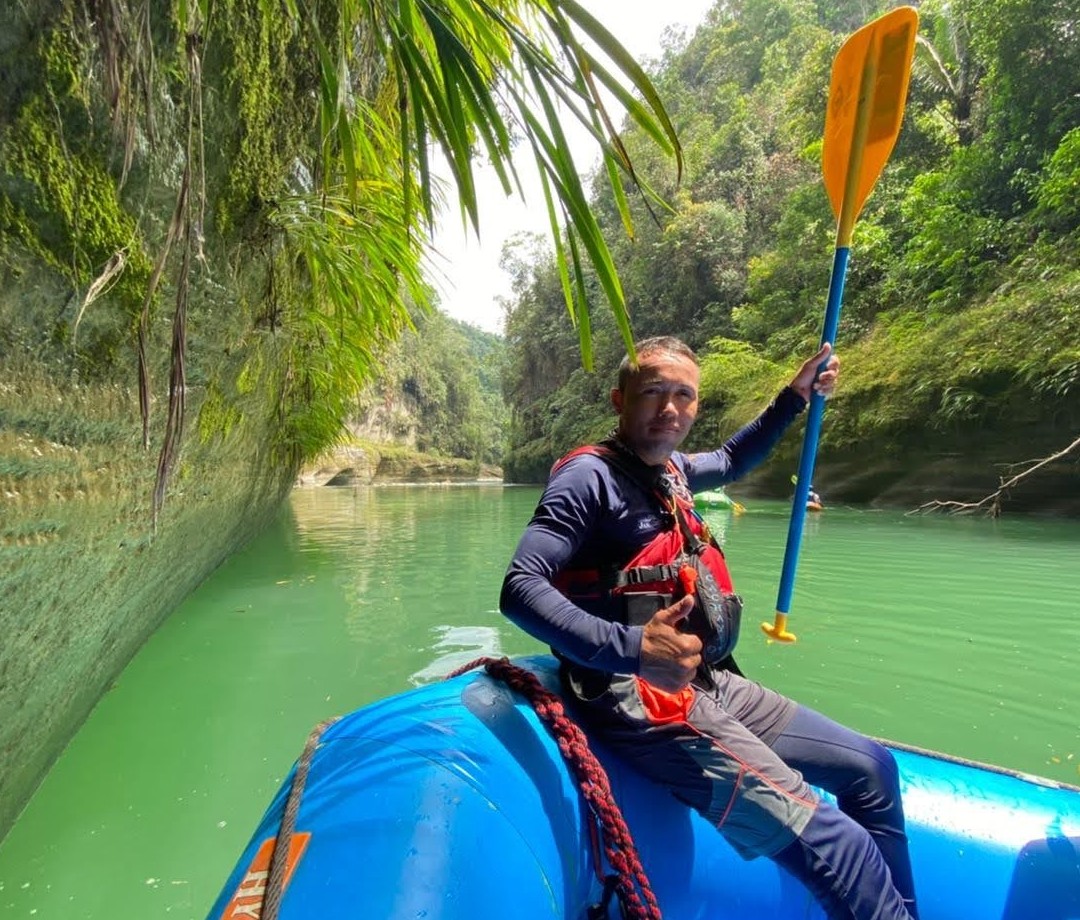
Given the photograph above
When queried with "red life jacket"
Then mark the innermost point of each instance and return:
(668, 567)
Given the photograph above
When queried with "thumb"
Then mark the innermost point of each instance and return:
(677, 612)
(822, 356)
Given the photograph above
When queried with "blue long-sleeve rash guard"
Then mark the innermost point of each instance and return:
(590, 515)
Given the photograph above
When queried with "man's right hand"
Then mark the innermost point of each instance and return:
(670, 658)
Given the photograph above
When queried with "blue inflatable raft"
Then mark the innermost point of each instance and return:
(452, 801)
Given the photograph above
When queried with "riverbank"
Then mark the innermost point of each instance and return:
(907, 470)
(369, 462)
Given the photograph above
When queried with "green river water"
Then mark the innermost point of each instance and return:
(961, 635)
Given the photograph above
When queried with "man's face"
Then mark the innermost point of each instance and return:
(658, 406)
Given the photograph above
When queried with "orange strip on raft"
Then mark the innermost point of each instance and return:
(248, 899)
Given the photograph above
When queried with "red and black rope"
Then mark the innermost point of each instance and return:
(631, 884)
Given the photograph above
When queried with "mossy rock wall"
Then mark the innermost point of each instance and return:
(910, 466)
(88, 570)
(84, 580)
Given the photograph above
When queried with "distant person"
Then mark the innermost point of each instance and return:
(621, 577)
(812, 497)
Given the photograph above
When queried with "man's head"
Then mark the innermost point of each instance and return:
(657, 401)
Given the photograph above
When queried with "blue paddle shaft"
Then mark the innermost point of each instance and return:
(810, 440)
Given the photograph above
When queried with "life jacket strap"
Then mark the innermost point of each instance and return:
(646, 574)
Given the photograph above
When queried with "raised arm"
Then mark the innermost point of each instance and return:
(752, 443)
(565, 518)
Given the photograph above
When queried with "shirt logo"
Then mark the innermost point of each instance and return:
(647, 524)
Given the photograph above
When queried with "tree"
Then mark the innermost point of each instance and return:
(947, 66)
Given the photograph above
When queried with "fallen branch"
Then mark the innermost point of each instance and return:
(992, 502)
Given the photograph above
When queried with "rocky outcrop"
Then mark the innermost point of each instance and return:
(355, 465)
(344, 466)
(908, 469)
(392, 419)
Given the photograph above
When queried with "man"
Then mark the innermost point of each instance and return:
(613, 569)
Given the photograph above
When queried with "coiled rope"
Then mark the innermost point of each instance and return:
(630, 882)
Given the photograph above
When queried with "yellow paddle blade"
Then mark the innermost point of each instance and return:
(867, 92)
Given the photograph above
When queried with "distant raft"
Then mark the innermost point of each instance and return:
(453, 802)
(717, 498)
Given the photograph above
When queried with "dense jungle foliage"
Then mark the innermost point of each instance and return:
(960, 331)
(440, 386)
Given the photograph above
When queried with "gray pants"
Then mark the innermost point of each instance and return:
(736, 752)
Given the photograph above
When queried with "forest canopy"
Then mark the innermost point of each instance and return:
(961, 317)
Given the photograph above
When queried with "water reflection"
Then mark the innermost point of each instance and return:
(455, 646)
(417, 570)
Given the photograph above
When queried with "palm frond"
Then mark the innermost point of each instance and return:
(472, 75)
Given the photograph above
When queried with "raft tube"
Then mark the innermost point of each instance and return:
(452, 802)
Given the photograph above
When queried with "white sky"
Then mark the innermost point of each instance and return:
(466, 270)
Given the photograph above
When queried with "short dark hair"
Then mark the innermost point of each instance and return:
(657, 344)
